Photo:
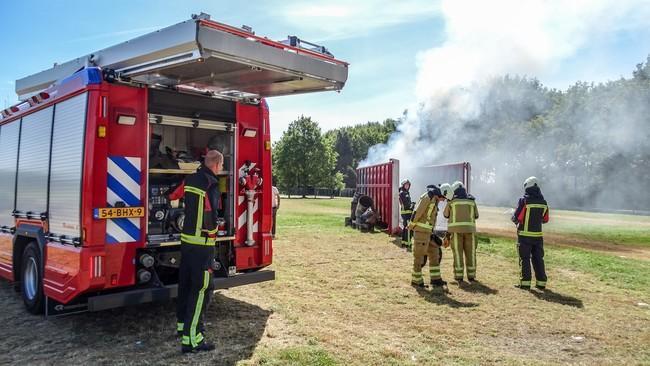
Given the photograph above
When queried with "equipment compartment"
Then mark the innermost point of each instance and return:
(177, 145)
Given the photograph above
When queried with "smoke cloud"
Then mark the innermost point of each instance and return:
(479, 101)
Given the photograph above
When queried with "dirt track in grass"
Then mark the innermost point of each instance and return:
(566, 229)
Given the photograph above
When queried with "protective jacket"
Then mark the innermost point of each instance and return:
(426, 212)
(461, 212)
(201, 202)
(531, 213)
(405, 202)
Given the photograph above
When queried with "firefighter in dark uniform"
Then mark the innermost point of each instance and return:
(406, 210)
(531, 213)
(198, 252)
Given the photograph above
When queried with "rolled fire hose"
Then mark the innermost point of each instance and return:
(250, 200)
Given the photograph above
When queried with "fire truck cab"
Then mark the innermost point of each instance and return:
(90, 155)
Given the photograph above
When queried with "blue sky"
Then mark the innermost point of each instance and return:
(380, 39)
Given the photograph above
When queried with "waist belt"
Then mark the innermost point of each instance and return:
(532, 234)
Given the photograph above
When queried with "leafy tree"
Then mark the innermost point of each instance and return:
(304, 158)
(352, 144)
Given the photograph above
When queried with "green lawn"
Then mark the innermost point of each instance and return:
(342, 297)
(327, 215)
(614, 229)
(346, 295)
(611, 269)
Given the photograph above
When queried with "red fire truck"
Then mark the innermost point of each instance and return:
(381, 183)
(87, 160)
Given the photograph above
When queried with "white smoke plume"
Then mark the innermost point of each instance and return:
(456, 84)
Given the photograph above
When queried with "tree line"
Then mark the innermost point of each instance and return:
(305, 157)
(590, 142)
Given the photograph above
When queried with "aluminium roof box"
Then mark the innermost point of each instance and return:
(207, 56)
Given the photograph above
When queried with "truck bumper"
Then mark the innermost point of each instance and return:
(161, 294)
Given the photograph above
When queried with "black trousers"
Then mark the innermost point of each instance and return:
(194, 290)
(531, 250)
(406, 233)
(275, 214)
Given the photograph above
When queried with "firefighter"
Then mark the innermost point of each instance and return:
(462, 213)
(406, 210)
(531, 213)
(198, 252)
(422, 223)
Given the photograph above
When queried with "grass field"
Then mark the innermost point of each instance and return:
(343, 298)
(626, 235)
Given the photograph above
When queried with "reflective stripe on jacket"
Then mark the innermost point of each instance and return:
(201, 201)
(531, 217)
(462, 214)
(405, 202)
(426, 211)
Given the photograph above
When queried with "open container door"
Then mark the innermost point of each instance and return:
(208, 57)
(381, 183)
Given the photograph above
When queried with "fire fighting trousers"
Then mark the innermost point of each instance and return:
(531, 250)
(463, 247)
(194, 290)
(423, 247)
(406, 233)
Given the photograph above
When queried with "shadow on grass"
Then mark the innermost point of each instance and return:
(479, 287)
(440, 296)
(397, 241)
(128, 336)
(550, 296)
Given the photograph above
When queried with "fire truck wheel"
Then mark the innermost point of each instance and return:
(32, 279)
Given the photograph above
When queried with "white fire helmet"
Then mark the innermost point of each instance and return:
(530, 182)
(404, 182)
(457, 184)
(446, 190)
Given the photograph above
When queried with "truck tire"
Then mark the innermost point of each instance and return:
(32, 279)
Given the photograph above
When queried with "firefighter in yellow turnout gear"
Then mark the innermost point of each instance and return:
(422, 223)
(462, 213)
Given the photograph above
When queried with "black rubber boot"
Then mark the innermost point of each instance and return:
(203, 347)
(438, 283)
(527, 288)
